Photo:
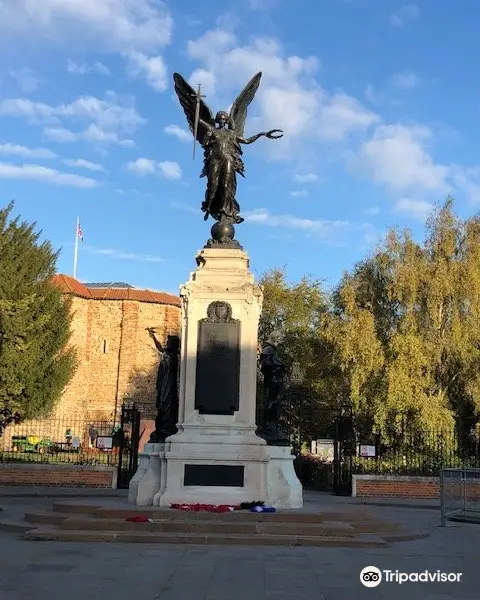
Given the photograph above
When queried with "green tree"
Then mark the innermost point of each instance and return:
(296, 309)
(35, 361)
(406, 330)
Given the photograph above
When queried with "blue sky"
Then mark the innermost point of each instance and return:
(378, 100)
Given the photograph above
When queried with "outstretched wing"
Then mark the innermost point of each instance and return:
(238, 113)
(187, 96)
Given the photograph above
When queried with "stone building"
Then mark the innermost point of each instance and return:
(116, 357)
(117, 360)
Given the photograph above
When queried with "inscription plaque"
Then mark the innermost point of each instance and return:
(214, 475)
(218, 362)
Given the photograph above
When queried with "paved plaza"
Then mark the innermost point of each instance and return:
(85, 571)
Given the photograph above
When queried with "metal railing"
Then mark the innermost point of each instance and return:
(67, 439)
(459, 495)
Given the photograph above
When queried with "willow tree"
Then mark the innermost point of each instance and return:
(35, 360)
(406, 328)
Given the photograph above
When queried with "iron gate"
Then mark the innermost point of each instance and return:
(129, 438)
(344, 450)
(332, 425)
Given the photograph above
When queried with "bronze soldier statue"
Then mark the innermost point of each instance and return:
(273, 371)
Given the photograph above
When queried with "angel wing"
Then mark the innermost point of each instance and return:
(188, 99)
(238, 113)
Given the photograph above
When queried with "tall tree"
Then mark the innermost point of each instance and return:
(296, 309)
(35, 360)
(406, 328)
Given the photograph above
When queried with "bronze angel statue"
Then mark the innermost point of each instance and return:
(221, 137)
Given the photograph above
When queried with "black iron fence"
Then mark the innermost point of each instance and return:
(407, 447)
(422, 451)
(62, 440)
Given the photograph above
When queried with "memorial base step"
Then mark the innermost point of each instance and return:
(88, 522)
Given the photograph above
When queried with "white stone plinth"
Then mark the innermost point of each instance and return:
(204, 439)
(284, 488)
(222, 275)
(147, 482)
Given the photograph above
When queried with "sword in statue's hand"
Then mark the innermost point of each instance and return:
(198, 97)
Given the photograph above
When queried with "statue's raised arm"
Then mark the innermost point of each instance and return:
(238, 114)
(221, 138)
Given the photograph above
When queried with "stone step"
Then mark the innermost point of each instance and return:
(377, 527)
(46, 517)
(76, 508)
(239, 525)
(45, 533)
(404, 536)
(246, 516)
(15, 525)
(326, 529)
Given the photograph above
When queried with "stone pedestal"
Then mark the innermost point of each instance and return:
(210, 449)
(284, 490)
(216, 456)
(149, 480)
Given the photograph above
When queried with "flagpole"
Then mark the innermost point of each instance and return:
(75, 250)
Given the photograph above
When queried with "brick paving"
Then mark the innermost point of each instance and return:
(74, 571)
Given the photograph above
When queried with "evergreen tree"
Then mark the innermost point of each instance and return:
(35, 362)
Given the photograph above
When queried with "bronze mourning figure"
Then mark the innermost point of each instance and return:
(167, 399)
(222, 138)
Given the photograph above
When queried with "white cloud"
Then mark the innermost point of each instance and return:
(123, 255)
(467, 180)
(93, 134)
(181, 134)
(109, 118)
(108, 113)
(152, 69)
(142, 166)
(289, 98)
(43, 174)
(97, 68)
(370, 94)
(136, 29)
(17, 150)
(132, 192)
(306, 177)
(405, 80)
(342, 114)
(81, 163)
(406, 13)
(25, 79)
(206, 79)
(326, 230)
(396, 156)
(417, 209)
(146, 166)
(169, 169)
(299, 194)
(105, 25)
(372, 211)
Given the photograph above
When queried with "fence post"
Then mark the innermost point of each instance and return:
(442, 498)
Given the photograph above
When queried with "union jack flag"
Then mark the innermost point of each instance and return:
(79, 232)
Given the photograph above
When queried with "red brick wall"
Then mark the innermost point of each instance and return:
(58, 475)
(391, 486)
